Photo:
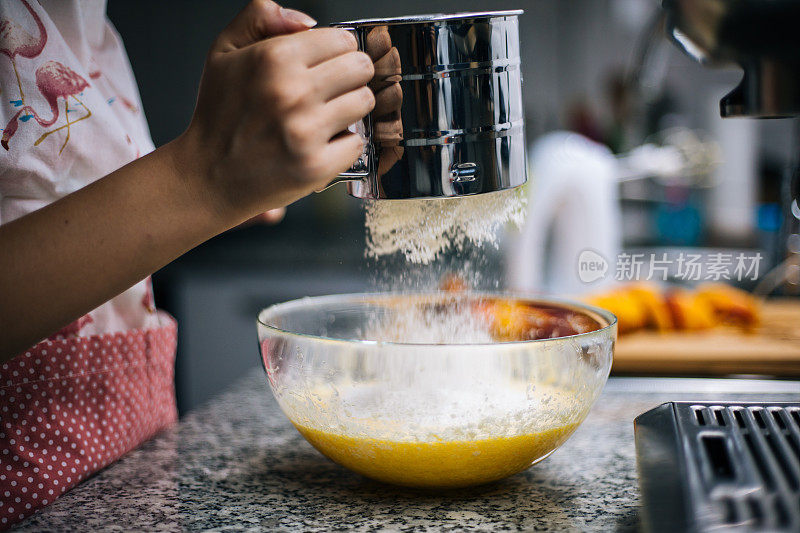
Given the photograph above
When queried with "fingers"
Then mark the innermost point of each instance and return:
(342, 74)
(378, 42)
(388, 100)
(315, 46)
(387, 70)
(346, 109)
(259, 20)
(343, 150)
(273, 216)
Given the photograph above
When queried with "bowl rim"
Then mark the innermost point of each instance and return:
(606, 315)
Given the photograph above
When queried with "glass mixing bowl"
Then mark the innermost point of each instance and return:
(416, 390)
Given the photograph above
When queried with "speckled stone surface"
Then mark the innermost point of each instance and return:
(237, 464)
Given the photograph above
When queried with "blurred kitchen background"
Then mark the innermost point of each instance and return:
(699, 182)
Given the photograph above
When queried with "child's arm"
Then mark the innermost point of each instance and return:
(265, 133)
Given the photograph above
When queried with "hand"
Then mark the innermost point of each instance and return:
(387, 123)
(271, 217)
(274, 103)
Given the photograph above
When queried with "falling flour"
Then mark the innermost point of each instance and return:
(431, 322)
(423, 229)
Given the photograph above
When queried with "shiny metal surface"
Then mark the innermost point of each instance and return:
(448, 119)
(762, 37)
(434, 17)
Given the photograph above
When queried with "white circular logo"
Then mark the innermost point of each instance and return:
(591, 266)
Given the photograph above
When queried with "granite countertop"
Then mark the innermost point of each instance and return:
(238, 464)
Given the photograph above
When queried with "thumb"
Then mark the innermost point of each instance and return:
(259, 20)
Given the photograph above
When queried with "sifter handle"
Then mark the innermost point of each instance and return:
(360, 169)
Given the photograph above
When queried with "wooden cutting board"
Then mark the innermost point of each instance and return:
(774, 349)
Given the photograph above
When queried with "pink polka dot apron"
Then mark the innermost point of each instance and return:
(71, 406)
(70, 114)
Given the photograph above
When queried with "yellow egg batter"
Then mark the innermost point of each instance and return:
(437, 464)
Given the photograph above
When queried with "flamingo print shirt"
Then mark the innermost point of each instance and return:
(70, 114)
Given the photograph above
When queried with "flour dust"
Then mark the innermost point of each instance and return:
(423, 230)
(438, 244)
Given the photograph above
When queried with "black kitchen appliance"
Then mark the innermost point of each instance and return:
(724, 466)
(720, 466)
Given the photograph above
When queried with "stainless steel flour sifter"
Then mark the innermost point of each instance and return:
(448, 119)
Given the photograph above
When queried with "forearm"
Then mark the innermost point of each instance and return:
(273, 104)
(62, 261)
